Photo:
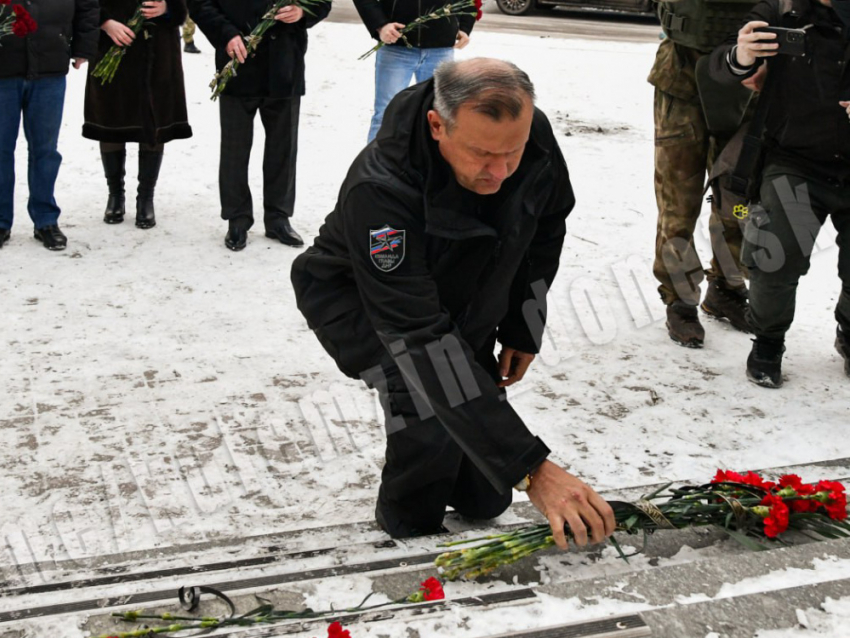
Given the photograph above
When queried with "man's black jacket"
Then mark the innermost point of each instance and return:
(66, 29)
(806, 127)
(472, 268)
(277, 70)
(435, 34)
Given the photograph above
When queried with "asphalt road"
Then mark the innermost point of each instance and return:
(559, 23)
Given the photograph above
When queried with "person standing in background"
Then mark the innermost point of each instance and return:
(271, 83)
(423, 50)
(144, 104)
(32, 86)
(189, 37)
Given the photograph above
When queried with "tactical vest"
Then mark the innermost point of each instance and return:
(702, 24)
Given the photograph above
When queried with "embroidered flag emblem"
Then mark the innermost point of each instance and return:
(386, 248)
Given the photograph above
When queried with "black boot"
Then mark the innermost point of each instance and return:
(683, 325)
(149, 165)
(113, 168)
(727, 303)
(190, 47)
(842, 344)
(764, 365)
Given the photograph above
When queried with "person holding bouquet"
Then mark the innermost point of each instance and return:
(32, 86)
(418, 53)
(270, 82)
(145, 102)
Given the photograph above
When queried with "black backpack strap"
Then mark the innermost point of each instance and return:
(742, 176)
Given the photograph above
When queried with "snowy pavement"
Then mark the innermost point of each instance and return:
(159, 390)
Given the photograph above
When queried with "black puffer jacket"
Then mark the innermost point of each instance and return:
(277, 69)
(457, 267)
(66, 29)
(806, 127)
(440, 33)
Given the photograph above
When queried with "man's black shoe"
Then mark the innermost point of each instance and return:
(764, 365)
(683, 325)
(397, 528)
(5, 233)
(842, 344)
(236, 238)
(282, 230)
(727, 303)
(51, 237)
(191, 48)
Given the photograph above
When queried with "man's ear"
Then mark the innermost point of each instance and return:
(436, 124)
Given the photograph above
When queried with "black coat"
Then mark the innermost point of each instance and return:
(842, 8)
(66, 29)
(805, 127)
(435, 34)
(146, 102)
(277, 69)
(468, 265)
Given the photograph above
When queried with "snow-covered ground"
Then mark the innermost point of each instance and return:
(159, 389)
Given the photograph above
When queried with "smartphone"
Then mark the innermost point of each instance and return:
(791, 41)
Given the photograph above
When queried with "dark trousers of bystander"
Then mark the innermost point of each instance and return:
(280, 121)
(779, 240)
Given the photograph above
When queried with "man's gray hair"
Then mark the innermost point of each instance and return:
(494, 88)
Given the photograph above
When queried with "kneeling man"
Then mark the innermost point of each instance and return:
(445, 239)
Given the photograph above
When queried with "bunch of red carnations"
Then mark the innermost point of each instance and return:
(15, 20)
(748, 507)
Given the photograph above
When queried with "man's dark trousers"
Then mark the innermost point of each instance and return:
(425, 470)
(779, 241)
(280, 121)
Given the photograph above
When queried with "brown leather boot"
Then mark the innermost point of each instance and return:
(727, 303)
(683, 325)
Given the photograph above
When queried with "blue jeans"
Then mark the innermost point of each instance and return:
(394, 68)
(41, 102)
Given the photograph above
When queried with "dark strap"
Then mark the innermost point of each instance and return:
(742, 177)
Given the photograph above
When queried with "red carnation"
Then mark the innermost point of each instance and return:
(837, 506)
(776, 521)
(792, 481)
(335, 630)
(830, 486)
(478, 13)
(24, 24)
(432, 589)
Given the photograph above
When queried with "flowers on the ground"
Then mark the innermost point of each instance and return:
(15, 20)
(109, 63)
(459, 7)
(252, 42)
(335, 630)
(750, 508)
(431, 589)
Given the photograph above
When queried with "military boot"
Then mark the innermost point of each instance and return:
(727, 303)
(764, 365)
(842, 344)
(683, 325)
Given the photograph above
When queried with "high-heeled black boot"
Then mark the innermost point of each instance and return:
(149, 165)
(113, 168)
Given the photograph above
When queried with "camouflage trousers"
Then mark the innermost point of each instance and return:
(189, 31)
(685, 151)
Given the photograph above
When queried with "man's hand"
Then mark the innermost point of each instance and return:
(289, 14)
(153, 9)
(236, 49)
(563, 498)
(513, 365)
(846, 105)
(390, 32)
(79, 62)
(120, 34)
(754, 44)
(756, 81)
(462, 40)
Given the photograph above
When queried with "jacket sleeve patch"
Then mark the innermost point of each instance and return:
(386, 247)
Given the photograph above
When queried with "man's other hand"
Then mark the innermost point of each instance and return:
(564, 499)
(236, 49)
(79, 62)
(462, 40)
(390, 32)
(756, 81)
(289, 14)
(846, 105)
(513, 365)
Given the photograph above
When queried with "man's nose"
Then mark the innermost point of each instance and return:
(498, 169)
